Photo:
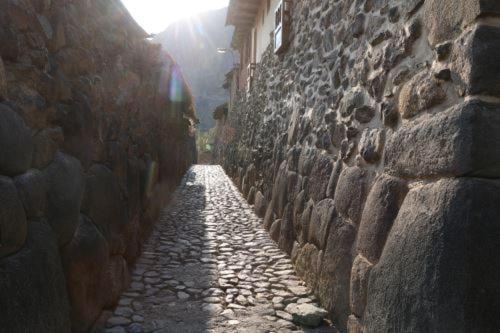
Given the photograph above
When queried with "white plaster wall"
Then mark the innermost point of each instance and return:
(264, 30)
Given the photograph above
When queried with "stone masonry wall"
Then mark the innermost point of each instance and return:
(94, 133)
(372, 150)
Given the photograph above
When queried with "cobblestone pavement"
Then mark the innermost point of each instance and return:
(209, 266)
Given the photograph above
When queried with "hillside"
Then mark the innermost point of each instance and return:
(193, 43)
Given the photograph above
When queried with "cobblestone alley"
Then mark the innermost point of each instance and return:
(209, 266)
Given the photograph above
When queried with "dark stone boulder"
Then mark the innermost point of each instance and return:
(478, 63)
(334, 179)
(321, 218)
(65, 185)
(335, 273)
(260, 204)
(3, 82)
(13, 224)
(275, 230)
(32, 190)
(463, 140)
(381, 209)
(319, 177)
(86, 259)
(16, 144)
(46, 144)
(302, 227)
(351, 192)
(33, 295)
(360, 275)
(448, 234)
(103, 203)
(287, 232)
(306, 264)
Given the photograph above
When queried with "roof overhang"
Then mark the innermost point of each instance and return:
(241, 14)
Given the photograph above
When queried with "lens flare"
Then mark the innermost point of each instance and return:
(176, 89)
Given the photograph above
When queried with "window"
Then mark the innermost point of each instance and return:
(283, 25)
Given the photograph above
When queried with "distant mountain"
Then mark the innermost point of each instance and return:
(193, 43)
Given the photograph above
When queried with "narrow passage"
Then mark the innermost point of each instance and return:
(209, 266)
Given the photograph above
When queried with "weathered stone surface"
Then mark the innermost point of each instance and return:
(381, 209)
(287, 232)
(103, 202)
(45, 146)
(335, 274)
(319, 177)
(260, 204)
(32, 190)
(306, 264)
(452, 287)
(275, 230)
(360, 275)
(420, 93)
(306, 314)
(86, 259)
(321, 218)
(477, 64)
(303, 222)
(371, 145)
(445, 19)
(13, 224)
(463, 140)
(354, 325)
(16, 145)
(351, 193)
(44, 308)
(65, 187)
(334, 178)
(3, 82)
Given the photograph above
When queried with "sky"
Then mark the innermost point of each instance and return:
(156, 15)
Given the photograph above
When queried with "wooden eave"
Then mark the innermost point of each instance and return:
(241, 14)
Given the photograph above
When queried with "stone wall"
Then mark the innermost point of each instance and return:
(94, 134)
(372, 151)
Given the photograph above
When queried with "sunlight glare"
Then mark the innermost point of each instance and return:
(156, 15)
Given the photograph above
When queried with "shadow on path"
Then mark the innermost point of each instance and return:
(209, 266)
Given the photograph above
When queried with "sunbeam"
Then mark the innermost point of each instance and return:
(156, 15)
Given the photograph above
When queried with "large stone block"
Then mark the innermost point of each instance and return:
(103, 203)
(65, 187)
(287, 232)
(445, 19)
(476, 61)
(260, 204)
(86, 259)
(335, 273)
(322, 217)
(306, 264)
(334, 179)
(32, 190)
(3, 82)
(360, 274)
(381, 209)
(319, 177)
(351, 192)
(13, 224)
(463, 140)
(16, 144)
(33, 295)
(440, 268)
